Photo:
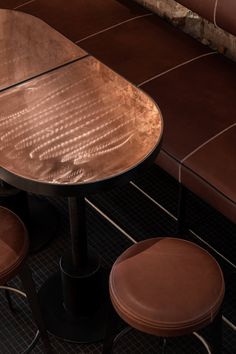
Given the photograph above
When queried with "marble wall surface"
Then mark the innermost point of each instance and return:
(197, 27)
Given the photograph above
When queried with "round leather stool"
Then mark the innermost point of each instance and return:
(167, 287)
(13, 252)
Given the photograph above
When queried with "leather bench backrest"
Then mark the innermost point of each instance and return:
(220, 12)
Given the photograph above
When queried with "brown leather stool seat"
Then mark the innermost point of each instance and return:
(166, 287)
(14, 247)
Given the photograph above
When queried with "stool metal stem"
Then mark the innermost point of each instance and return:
(9, 289)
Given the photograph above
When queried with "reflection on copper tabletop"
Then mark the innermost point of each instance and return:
(77, 124)
(28, 47)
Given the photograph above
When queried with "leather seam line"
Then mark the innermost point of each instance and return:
(164, 326)
(201, 146)
(170, 155)
(214, 188)
(176, 67)
(26, 3)
(113, 26)
(214, 13)
(198, 176)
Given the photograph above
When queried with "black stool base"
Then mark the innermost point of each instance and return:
(79, 330)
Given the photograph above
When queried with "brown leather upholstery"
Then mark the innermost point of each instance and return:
(220, 11)
(195, 110)
(13, 244)
(143, 48)
(225, 15)
(10, 4)
(82, 18)
(166, 287)
(204, 8)
(211, 173)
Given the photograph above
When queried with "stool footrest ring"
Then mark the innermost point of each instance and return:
(36, 337)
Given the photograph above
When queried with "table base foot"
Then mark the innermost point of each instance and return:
(72, 329)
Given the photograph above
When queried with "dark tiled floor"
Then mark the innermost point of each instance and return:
(134, 213)
(140, 218)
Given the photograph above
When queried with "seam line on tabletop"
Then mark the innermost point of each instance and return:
(111, 27)
(43, 73)
(175, 67)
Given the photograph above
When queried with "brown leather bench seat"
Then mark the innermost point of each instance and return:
(194, 86)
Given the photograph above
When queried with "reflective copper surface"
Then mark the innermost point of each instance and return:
(28, 47)
(80, 123)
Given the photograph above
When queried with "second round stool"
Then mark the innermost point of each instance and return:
(167, 287)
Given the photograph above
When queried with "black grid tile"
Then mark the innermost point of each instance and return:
(215, 229)
(229, 308)
(139, 217)
(137, 342)
(154, 181)
(134, 213)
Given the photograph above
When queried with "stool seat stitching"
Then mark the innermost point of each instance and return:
(211, 312)
(207, 316)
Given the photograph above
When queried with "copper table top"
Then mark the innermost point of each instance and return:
(81, 123)
(76, 125)
(28, 47)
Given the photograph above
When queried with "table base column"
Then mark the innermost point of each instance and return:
(87, 324)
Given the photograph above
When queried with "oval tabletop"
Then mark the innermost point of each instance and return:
(72, 129)
(28, 47)
(80, 124)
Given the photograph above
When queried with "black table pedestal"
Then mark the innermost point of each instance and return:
(89, 328)
(74, 301)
